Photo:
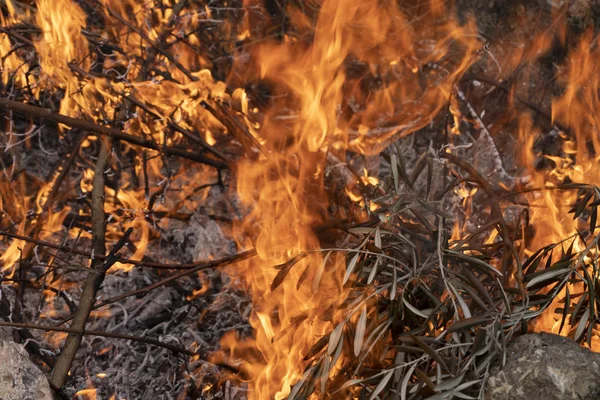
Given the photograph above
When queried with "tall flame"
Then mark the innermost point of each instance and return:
(311, 116)
(575, 161)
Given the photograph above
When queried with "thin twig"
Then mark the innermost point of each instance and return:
(169, 57)
(212, 264)
(175, 349)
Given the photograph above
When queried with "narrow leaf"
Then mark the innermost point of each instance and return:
(382, 384)
(361, 327)
(335, 338)
(548, 275)
(319, 273)
(581, 325)
(350, 267)
(420, 313)
(394, 165)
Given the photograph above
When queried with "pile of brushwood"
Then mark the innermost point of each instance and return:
(100, 170)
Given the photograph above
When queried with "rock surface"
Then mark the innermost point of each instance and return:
(20, 379)
(546, 367)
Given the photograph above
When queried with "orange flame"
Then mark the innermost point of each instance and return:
(285, 186)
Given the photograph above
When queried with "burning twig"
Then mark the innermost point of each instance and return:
(234, 127)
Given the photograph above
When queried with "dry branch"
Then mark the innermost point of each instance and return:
(122, 260)
(156, 48)
(95, 277)
(43, 113)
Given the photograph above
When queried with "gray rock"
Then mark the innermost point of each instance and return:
(546, 367)
(20, 379)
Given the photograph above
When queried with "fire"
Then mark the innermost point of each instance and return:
(577, 162)
(86, 394)
(285, 185)
(344, 76)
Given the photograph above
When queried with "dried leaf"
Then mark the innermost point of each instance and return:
(300, 383)
(378, 238)
(382, 384)
(420, 313)
(335, 337)
(566, 309)
(350, 267)
(319, 273)
(467, 324)
(281, 276)
(394, 288)
(317, 347)
(546, 276)
(432, 353)
(361, 230)
(303, 276)
(461, 302)
(476, 283)
(429, 177)
(581, 325)
(347, 384)
(449, 384)
(373, 249)
(394, 165)
(578, 306)
(423, 377)
(405, 380)
(487, 268)
(374, 271)
(361, 327)
(338, 352)
(325, 373)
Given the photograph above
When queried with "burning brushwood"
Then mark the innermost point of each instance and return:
(336, 198)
